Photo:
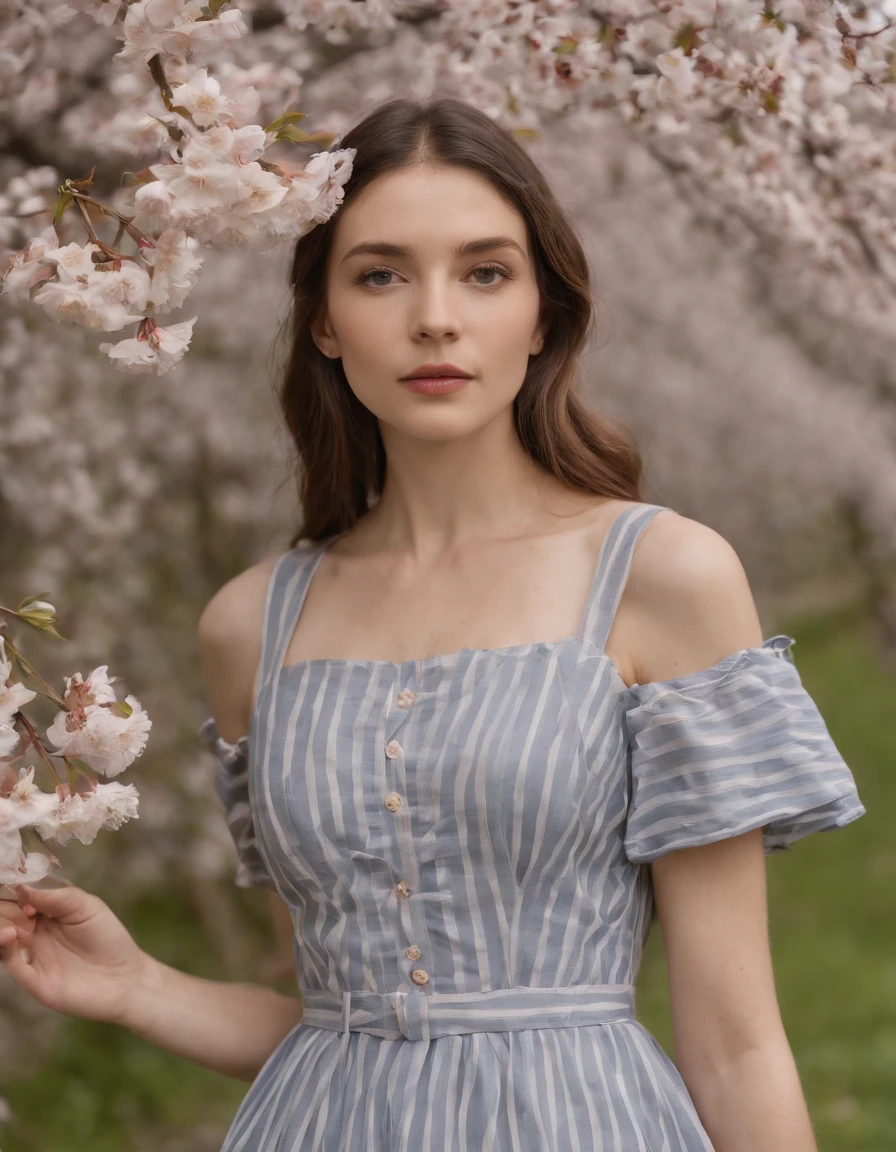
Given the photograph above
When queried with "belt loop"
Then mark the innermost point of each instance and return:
(399, 1006)
(346, 1041)
(346, 1010)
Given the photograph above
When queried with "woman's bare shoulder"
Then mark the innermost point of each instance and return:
(238, 603)
(229, 630)
(689, 599)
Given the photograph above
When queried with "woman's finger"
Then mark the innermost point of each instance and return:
(69, 904)
(13, 913)
(17, 959)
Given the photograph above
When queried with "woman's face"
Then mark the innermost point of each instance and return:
(387, 313)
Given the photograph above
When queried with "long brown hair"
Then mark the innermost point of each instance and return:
(341, 458)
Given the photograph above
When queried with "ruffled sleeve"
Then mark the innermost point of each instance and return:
(232, 788)
(734, 747)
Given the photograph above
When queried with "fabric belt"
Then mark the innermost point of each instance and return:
(416, 1014)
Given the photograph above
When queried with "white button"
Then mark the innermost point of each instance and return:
(393, 801)
(419, 976)
(402, 889)
(405, 698)
(392, 749)
(412, 953)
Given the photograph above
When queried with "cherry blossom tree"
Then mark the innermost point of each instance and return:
(729, 165)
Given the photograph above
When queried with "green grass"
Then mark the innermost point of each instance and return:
(833, 940)
(104, 1085)
(831, 904)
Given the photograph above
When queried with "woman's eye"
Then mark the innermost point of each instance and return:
(364, 277)
(488, 269)
(493, 268)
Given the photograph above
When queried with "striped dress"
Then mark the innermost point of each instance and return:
(464, 843)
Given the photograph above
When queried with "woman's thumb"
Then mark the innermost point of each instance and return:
(66, 904)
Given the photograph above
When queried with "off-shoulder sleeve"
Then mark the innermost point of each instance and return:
(734, 747)
(232, 788)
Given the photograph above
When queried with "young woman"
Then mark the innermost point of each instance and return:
(486, 713)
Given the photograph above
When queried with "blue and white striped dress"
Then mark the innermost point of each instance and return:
(463, 841)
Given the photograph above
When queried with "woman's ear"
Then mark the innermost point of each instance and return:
(538, 336)
(324, 338)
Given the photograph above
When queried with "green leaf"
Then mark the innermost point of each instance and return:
(290, 132)
(174, 132)
(45, 596)
(286, 118)
(687, 38)
(60, 204)
(128, 177)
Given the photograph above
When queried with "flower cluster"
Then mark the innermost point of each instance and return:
(93, 734)
(215, 189)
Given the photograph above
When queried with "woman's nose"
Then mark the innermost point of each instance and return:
(434, 311)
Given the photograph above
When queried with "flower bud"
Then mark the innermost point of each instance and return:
(40, 613)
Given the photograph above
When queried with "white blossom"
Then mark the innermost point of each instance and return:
(25, 867)
(98, 297)
(103, 11)
(175, 265)
(175, 27)
(678, 70)
(154, 350)
(26, 805)
(12, 696)
(25, 268)
(9, 740)
(204, 99)
(81, 815)
(106, 742)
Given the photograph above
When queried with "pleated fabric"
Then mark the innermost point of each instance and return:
(463, 841)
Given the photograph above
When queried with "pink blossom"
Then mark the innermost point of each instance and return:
(96, 689)
(106, 742)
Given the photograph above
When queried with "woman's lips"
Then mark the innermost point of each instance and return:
(436, 385)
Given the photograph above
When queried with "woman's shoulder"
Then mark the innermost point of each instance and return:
(230, 641)
(235, 610)
(689, 599)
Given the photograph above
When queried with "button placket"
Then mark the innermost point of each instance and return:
(407, 894)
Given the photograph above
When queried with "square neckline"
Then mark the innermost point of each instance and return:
(323, 546)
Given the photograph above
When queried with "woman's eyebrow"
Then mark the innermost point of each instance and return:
(470, 248)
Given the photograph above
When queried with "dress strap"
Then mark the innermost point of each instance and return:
(612, 571)
(288, 584)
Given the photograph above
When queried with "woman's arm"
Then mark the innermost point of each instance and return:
(69, 950)
(730, 1043)
(230, 1028)
(692, 605)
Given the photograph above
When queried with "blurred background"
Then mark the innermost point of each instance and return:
(762, 407)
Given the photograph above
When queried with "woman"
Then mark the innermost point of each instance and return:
(497, 709)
